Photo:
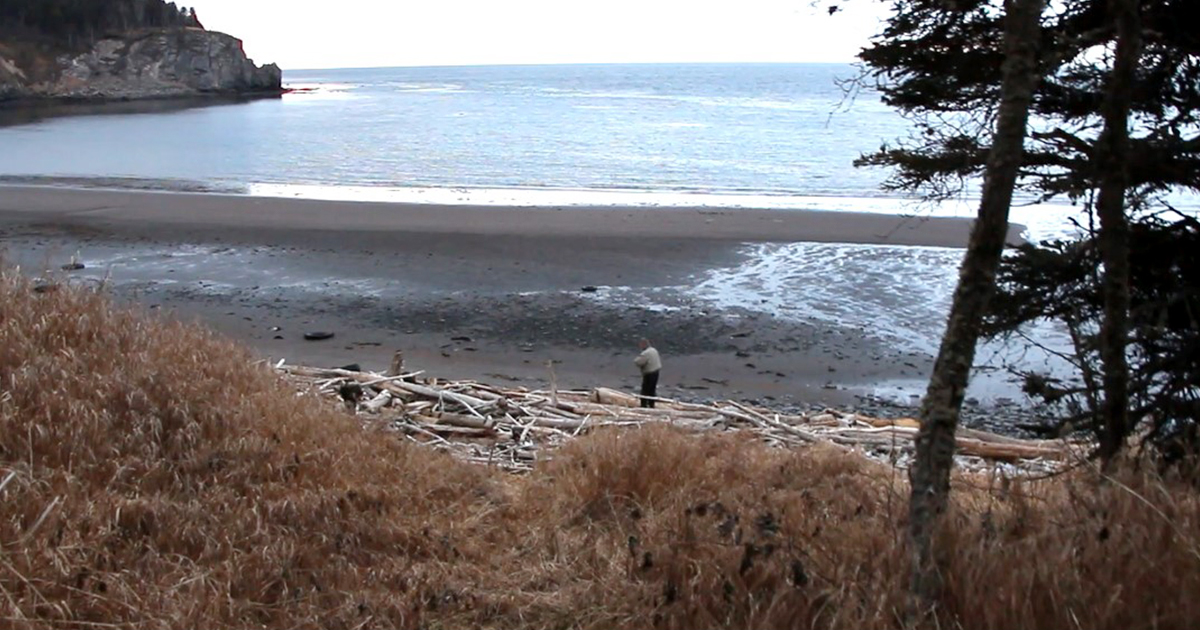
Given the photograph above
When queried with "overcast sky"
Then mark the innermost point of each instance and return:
(299, 34)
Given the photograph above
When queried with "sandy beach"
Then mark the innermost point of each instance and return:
(471, 292)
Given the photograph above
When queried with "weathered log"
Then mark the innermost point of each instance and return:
(381, 400)
(470, 402)
(1009, 452)
(606, 396)
(539, 419)
(911, 423)
(454, 426)
(462, 420)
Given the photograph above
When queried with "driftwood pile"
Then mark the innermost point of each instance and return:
(512, 428)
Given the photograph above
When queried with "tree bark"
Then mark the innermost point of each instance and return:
(1111, 166)
(930, 473)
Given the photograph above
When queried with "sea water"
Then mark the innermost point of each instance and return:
(723, 135)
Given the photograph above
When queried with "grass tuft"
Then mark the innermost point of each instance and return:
(153, 475)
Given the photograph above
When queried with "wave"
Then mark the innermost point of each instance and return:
(748, 102)
(898, 293)
(438, 88)
(679, 125)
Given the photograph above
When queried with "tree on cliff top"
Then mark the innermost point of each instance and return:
(79, 22)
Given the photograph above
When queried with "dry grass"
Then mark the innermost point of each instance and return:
(157, 478)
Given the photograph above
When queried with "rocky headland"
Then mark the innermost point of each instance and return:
(141, 64)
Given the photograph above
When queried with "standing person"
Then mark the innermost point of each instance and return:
(649, 363)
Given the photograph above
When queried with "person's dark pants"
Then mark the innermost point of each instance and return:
(649, 388)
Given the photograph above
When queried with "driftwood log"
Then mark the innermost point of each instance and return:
(514, 427)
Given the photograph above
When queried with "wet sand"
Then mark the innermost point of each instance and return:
(162, 213)
(470, 292)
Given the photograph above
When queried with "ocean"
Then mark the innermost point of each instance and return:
(689, 128)
(727, 135)
(722, 135)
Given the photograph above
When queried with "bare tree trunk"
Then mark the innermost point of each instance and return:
(1111, 161)
(930, 473)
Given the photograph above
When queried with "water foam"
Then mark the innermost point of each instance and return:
(899, 294)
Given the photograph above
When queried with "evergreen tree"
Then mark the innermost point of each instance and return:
(79, 22)
(1060, 281)
(941, 69)
(960, 71)
(1111, 157)
(1107, 67)
(929, 475)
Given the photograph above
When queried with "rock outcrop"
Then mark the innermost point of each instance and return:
(152, 63)
(12, 81)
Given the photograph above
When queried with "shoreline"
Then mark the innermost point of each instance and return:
(32, 109)
(145, 210)
(475, 293)
(105, 104)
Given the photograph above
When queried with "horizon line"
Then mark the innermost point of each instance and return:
(584, 63)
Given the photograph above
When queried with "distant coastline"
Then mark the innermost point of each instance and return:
(28, 110)
(122, 50)
(84, 104)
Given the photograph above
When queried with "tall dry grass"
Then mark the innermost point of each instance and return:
(156, 477)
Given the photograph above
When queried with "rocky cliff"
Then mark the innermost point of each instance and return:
(150, 63)
(12, 80)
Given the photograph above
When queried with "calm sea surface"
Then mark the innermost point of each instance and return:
(697, 128)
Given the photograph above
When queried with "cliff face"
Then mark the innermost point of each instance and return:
(151, 63)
